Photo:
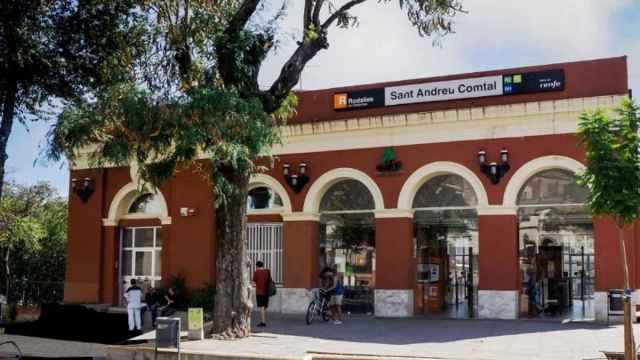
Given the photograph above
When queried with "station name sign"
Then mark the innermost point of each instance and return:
(495, 85)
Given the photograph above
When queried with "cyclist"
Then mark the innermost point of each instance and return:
(327, 283)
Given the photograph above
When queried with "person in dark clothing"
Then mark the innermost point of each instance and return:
(152, 301)
(170, 307)
(261, 280)
(327, 283)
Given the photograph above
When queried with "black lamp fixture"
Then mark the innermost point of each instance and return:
(493, 170)
(83, 188)
(296, 181)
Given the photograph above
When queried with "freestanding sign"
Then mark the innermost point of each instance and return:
(495, 85)
(196, 323)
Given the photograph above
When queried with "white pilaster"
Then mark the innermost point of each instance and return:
(498, 304)
(393, 303)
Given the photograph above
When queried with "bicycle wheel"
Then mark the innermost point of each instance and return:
(311, 312)
(326, 313)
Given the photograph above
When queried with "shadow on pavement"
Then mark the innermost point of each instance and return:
(416, 330)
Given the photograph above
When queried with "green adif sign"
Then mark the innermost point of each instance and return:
(196, 323)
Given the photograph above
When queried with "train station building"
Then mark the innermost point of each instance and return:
(452, 196)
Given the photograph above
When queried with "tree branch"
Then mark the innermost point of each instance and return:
(226, 51)
(340, 12)
(316, 13)
(306, 17)
(307, 49)
(242, 16)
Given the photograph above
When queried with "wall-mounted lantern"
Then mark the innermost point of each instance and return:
(83, 188)
(296, 181)
(494, 171)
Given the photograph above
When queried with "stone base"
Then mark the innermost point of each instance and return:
(275, 302)
(393, 303)
(601, 304)
(295, 300)
(498, 304)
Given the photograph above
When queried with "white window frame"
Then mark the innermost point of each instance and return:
(154, 250)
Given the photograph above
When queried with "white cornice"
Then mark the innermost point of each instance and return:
(497, 210)
(474, 123)
(301, 216)
(393, 213)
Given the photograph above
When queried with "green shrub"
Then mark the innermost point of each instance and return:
(203, 297)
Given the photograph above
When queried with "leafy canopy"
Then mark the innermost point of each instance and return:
(33, 224)
(194, 93)
(613, 161)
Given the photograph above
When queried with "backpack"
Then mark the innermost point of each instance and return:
(271, 286)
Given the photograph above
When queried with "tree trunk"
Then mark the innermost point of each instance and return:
(232, 309)
(629, 343)
(7, 273)
(8, 109)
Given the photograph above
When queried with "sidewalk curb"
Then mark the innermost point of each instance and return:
(130, 352)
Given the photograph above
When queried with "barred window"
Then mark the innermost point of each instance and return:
(265, 244)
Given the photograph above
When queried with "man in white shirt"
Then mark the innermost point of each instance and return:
(133, 295)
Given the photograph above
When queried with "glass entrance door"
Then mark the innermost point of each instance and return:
(447, 263)
(140, 257)
(556, 263)
(347, 243)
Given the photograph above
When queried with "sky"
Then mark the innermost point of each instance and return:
(493, 34)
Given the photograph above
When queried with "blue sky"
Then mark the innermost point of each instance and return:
(494, 34)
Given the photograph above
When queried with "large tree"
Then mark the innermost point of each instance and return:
(196, 95)
(52, 51)
(613, 176)
(32, 242)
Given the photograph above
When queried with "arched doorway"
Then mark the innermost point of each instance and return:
(557, 261)
(446, 236)
(265, 239)
(141, 246)
(347, 241)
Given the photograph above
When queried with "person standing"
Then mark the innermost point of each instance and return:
(261, 280)
(133, 295)
(151, 299)
(336, 299)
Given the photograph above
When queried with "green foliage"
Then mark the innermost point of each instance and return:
(61, 49)
(613, 162)
(32, 240)
(126, 123)
(203, 297)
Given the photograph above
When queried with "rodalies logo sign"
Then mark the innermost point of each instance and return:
(497, 85)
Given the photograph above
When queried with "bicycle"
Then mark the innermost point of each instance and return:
(319, 307)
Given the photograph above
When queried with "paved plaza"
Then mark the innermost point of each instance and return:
(290, 338)
(425, 338)
(40, 347)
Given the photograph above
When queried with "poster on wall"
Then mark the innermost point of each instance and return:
(434, 272)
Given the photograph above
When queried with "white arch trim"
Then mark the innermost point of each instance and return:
(423, 174)
(258, 180)
(122, 201)
(322, 184)
(533, 167)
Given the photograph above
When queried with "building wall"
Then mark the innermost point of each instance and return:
(531, 127)
(189, 242)
(93, 245)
